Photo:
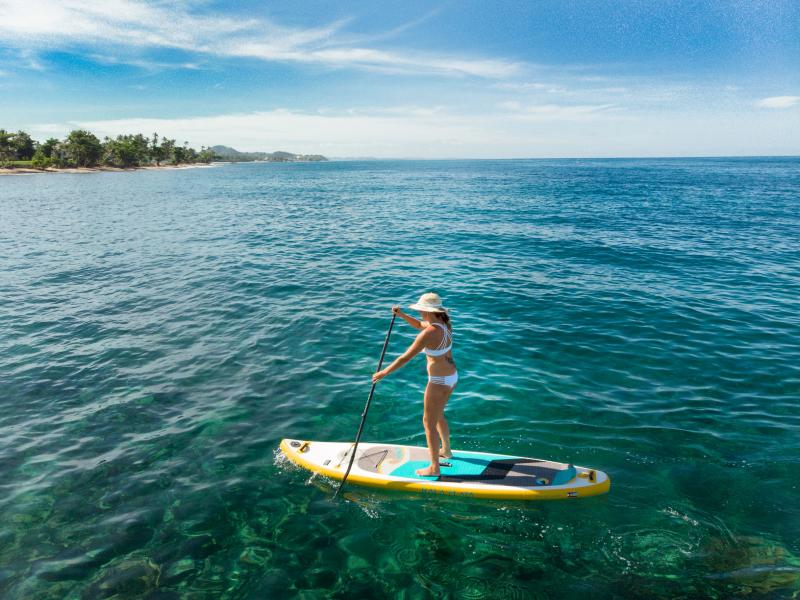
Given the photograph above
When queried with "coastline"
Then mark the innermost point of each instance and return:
(84, 170)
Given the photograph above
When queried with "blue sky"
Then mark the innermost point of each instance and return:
(459, 78)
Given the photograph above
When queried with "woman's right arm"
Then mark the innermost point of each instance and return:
(415, 348)
(415, 323)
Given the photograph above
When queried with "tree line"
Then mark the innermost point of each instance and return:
(82, 148)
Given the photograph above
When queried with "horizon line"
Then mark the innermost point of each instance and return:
(660, 157)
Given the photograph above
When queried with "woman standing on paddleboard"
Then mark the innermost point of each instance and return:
(436, 340)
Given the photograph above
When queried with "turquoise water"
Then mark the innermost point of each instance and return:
(161, 331)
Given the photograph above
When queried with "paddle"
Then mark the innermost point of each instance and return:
(366, 408)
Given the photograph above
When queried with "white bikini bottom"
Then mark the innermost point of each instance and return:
(448, 380)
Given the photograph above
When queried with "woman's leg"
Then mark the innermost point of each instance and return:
(444, 435)
(436, 397)
(444, 432)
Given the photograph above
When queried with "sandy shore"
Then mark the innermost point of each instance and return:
(27, 171)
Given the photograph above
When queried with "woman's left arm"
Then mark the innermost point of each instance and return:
(414, 349)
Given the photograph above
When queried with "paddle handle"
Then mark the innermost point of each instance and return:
(366, 408)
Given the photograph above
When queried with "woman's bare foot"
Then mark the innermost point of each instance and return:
(428, 471)
(445, 455)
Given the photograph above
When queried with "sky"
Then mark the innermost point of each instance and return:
(412, 79)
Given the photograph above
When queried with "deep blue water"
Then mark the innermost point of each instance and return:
(161, 331)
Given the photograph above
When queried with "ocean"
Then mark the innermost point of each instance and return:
(161, 331)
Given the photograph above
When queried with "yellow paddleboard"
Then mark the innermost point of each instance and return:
(473, 474)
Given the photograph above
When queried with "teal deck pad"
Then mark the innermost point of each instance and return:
(461, 465)
(564, 476)
(469, 464)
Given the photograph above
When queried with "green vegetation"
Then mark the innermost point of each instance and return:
(84, 149)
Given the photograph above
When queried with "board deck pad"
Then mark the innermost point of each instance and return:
(459, 466)
(471, 473)
(477, 467)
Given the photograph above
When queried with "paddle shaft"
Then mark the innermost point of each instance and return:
(366, 408)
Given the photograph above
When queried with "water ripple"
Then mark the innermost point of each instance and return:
(161, 332)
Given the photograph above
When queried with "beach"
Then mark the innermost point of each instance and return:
(103, 169)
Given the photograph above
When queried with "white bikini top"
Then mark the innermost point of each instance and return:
(445, 345)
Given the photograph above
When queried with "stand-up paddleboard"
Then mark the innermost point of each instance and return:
(475, 474)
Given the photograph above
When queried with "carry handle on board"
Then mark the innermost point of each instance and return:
(366, 408)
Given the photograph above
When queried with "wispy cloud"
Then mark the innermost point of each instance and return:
(147, 65)
(779, 102)
(372, 59)
(395, 31)
(599, 93)
(531, 86)
(556, 111)
(404, 110)
(120, 25)
(123, 22)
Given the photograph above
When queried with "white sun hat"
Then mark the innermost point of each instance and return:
(430, 302)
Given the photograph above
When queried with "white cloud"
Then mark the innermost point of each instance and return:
(405, 110)
(148, 65)
(584, 90)
(442, 133)
(556, 111)
(124, 22)
(779, 102)
(614, 90)
(528, 86)
(385, 132)
(348, 133)
(140, 25)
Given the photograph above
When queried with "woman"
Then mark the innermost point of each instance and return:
(436, 340)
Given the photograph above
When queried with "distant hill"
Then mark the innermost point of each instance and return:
(228, 154)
